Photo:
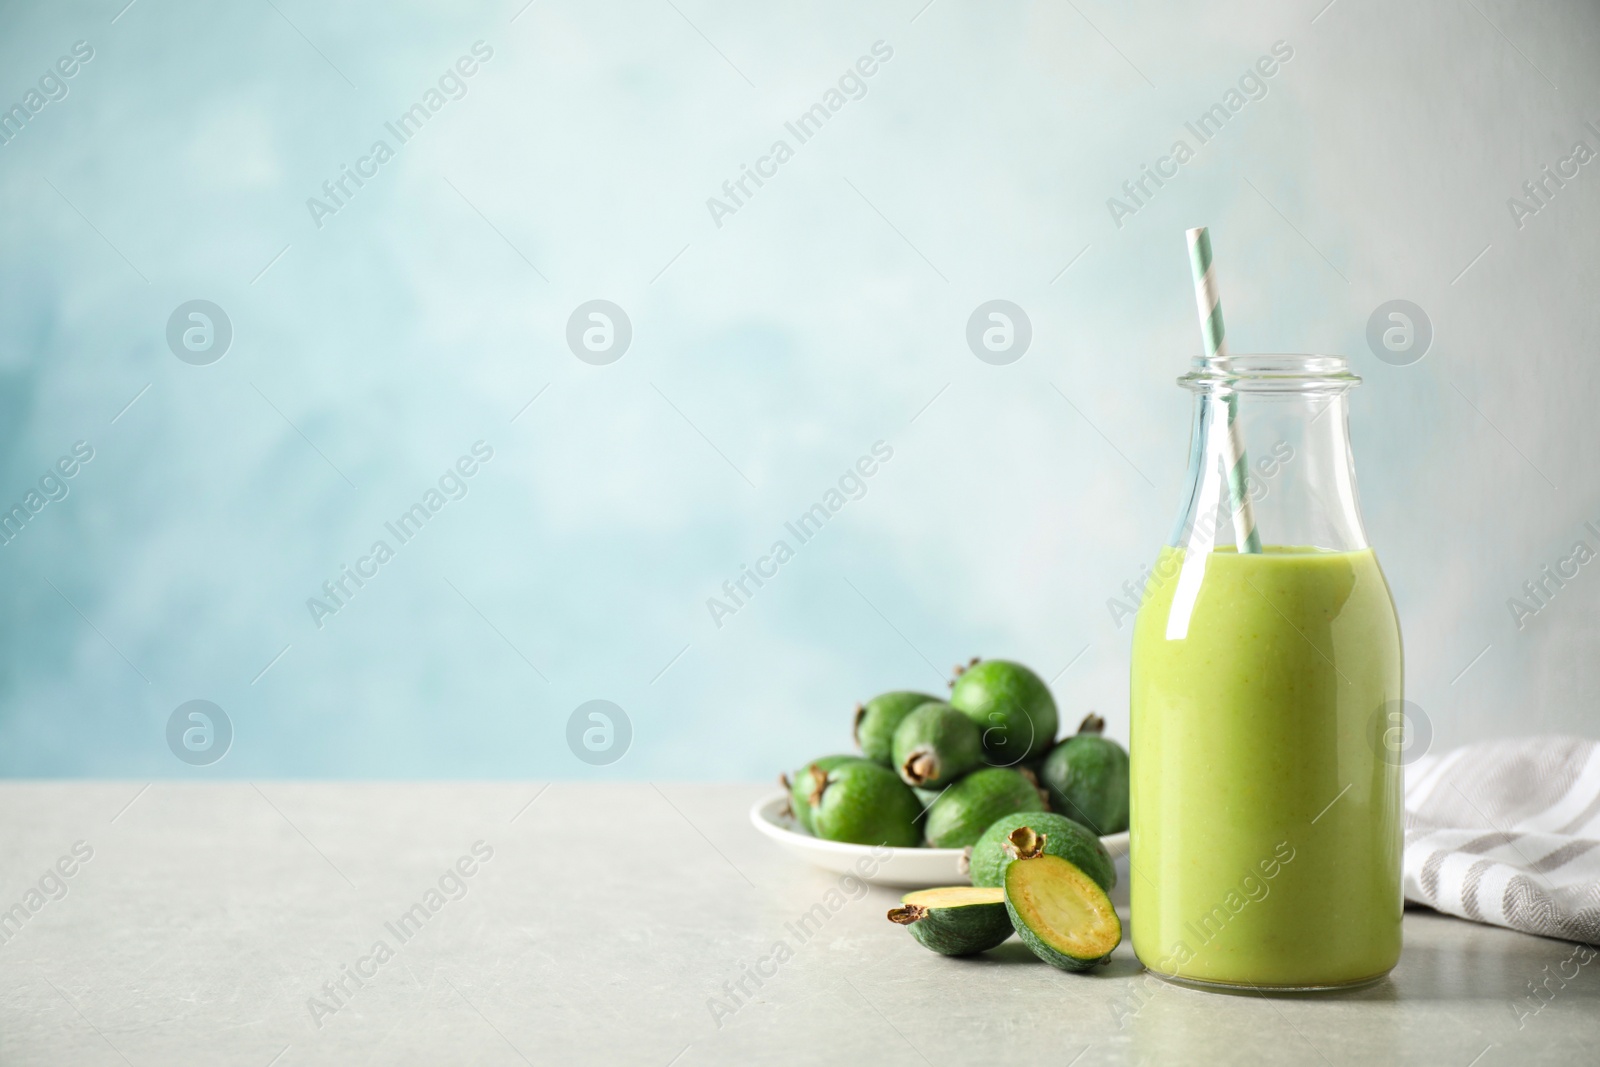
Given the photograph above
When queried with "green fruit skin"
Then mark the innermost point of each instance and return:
(1087, 778)
(959, 817)
(952, 738)
(926, 797)
(963, 931)
(880, 717)
(800, 786)
(865, 803)
(1062, 837)
(1012, 707)
(1047, 952)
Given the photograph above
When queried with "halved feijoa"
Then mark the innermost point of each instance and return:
(865, 803)
(935, 745)
(1057, 835)
(956, 920)
(807, 782)
(966, 809)
(877, 719)
(1087, 778)
(1060, 913)
(1012, 707)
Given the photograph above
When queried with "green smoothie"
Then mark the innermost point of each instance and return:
(1265, 820)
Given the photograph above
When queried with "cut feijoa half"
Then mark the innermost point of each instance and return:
(956, 920)
(1060, 913)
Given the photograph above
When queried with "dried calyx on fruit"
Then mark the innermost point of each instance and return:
(962, 668)
(1024, 844)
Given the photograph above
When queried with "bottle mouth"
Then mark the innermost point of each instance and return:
(1270, 374)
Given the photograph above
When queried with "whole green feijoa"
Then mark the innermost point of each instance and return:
(865, 803)
(877, 719)
(1011, 705)
(935, 745)
(1060, 836)
(1086, 777)
(967, 808)
(807, 782)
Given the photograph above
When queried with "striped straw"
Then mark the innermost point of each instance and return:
(1211, 331)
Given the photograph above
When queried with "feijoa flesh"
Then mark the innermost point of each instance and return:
(935, 745)
(1086, 777)
(1060, 913)
(865, 803)
(877, 719)
(967, 808)
(955, 920)
(1012, 707)
(1058, 836)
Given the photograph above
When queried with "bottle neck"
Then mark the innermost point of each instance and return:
(1287, 453)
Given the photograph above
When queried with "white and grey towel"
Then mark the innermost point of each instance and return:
(1508, 832)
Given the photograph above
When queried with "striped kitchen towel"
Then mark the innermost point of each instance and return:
(1508, 832)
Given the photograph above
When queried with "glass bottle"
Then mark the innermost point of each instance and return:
(1266, 818)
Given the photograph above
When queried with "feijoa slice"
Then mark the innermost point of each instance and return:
(1057, 835)
(865, 803)
(955, 920)
(935, 745)
(1087, 778)
(967, 808)
(1012, 707)
(1060, 913)
(807, 782)
(877, 719)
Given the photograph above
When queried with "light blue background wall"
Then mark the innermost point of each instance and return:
(768, 354)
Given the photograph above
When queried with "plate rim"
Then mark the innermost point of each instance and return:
(782, 834)
(1116, 844)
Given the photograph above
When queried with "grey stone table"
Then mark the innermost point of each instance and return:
(289, 924)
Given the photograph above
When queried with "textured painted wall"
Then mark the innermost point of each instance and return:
(393, 312)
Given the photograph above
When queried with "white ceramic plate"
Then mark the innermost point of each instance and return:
(901, 868)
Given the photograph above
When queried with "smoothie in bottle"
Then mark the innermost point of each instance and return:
(1266, 831)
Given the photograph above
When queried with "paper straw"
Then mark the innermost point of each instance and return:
(1213, 334)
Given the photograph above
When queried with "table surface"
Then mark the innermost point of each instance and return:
(607, 923)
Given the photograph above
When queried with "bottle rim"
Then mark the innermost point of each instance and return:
(1276, 372)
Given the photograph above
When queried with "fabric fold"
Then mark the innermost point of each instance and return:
(1508, 832)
